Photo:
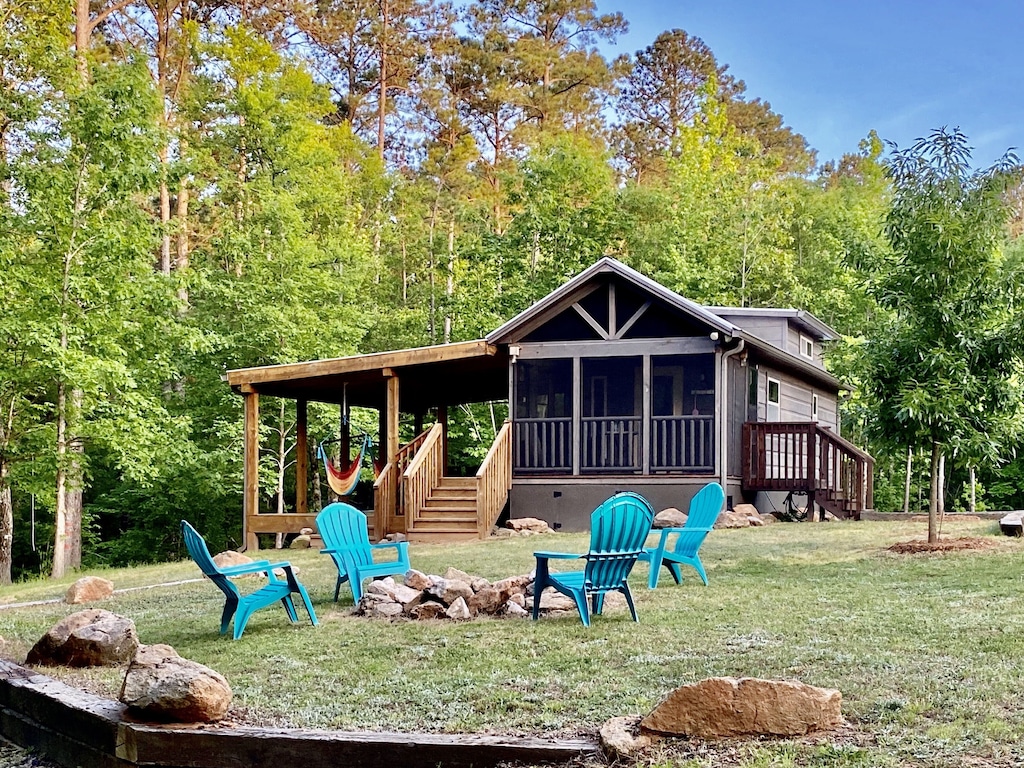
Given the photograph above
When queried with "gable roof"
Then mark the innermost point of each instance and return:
(801, 318)
(564, 296)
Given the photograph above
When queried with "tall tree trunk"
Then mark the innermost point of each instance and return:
(6, 524)
(933, 495)
(165, 213)
(449, 285)
(974, 486)
(382, 100)
(906, 485)
(181, 260)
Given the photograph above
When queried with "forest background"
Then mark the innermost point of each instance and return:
(193, 186)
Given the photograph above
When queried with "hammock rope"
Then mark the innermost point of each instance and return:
(343, 479)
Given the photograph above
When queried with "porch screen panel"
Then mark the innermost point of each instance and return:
(612, 398)
(683, 413)
(542, 427)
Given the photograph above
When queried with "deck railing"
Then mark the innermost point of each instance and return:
(683, 443)
(423, 473)
(494, 480)
(610, 444)
(388, 502)
(543, 445)
(808, 458)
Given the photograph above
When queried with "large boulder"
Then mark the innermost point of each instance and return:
(91, 638)
(732, 520)
(729, 706)
(231, 558)
(531, 524)
(669, 518)
(745, 509)
(89, 589)
(161, 685)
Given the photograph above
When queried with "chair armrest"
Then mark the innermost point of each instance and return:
(245, 568)
(557, 556)
(396, 545)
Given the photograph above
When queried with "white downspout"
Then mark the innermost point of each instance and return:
(723, 433)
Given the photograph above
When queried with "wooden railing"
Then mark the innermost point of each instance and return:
(494, 480)
(388, 508)
(543, 445)
(683, 442)
(423, 473)
(610, 443)
(808, 458)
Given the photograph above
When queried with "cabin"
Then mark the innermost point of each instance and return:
(614, 382)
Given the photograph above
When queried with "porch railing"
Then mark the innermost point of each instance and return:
(494, 480)
(424, 473)
(543, 445)
(806, 457)
(610, 444)
(683, 443)
(388, 507)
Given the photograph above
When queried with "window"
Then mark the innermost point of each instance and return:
(774, 409)
(807, 347)
(814, 407)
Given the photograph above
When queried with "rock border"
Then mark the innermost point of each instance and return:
(75, 728)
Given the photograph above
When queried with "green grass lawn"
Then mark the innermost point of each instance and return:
(926, 649)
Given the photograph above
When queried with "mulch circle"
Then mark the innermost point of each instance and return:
(962, 544)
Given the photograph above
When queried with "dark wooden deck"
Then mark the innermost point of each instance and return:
(806, 458)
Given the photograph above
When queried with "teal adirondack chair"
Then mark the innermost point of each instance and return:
(617, 531)
(343, 529)
(243, 606)
(704, 510)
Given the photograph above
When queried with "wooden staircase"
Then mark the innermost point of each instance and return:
(449, 513)
(806, 458)
(423, 503)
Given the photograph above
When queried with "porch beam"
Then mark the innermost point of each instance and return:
(301, 458)
(601, 331)
(645, 421)
(250, 468)
(682, 345)
(632, 320)
(577, 413)
(391, 408)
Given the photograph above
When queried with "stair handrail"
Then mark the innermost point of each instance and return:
(863, 465)
(423, 474)
(494, 480)
(388, 506)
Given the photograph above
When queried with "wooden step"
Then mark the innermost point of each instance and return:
(456, 506)
(457, 482)
(445, 492)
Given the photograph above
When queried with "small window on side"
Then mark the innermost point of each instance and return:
(814, 407)
(807, 347)
(774, 409)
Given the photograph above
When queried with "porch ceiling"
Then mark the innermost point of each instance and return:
(447, 374)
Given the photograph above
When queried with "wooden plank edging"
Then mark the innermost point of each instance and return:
(75, 728)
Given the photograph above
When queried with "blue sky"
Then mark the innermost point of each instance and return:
(835, 69)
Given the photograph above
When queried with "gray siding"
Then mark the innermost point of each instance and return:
(795, 399)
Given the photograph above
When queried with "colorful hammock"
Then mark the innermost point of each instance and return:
(343, 480)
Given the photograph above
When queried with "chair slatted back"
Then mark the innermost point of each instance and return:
(704, 510)
(342, 526)
(618, 529)
(200, 553)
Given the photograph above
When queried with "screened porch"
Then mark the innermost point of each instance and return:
(635, 415)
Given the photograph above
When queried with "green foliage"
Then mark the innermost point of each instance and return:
(944, 369)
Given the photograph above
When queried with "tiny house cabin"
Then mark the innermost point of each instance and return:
(614, 383)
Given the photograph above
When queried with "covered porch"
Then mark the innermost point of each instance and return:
(419, 382)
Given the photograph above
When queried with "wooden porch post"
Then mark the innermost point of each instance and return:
(250, 466)
(442, 418)
(301, 458)
(391, 409)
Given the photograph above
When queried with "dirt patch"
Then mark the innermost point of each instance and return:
(962, 544)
